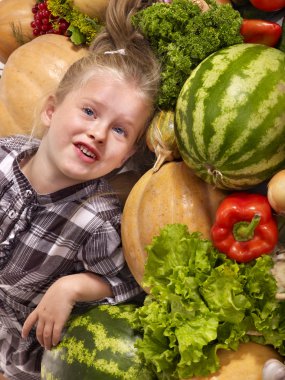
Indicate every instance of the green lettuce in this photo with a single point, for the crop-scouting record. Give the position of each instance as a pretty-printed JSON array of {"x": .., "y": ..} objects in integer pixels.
[{"x": 201, "y": 301}]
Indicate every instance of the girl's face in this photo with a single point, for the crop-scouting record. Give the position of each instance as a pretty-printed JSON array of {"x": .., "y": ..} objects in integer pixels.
[{"x": 94, "y": 130}]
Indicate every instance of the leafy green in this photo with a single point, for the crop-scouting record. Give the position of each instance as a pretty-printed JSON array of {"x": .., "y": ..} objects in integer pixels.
[
  {"x": 201, "y": 301},
  {"x": 182, "y": 36},
  {"x": 82, "y": 29}
]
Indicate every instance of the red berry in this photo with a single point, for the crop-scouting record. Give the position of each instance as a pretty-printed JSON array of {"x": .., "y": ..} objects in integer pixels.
[
  {"x": 42, "y": 6},
  {"x": 46, "y": 13},
  {"x": 36, "y": 31},
  {"x": 38, "y": 23}
]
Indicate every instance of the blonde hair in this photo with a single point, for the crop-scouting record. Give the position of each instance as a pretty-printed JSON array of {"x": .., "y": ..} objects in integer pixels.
[{"x": 120, "y": 49}]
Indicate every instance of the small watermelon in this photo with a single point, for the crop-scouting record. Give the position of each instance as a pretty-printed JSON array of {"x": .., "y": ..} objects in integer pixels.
[
  {"x": 98, "y": 344},
  {"x": 230, "y": 116}
]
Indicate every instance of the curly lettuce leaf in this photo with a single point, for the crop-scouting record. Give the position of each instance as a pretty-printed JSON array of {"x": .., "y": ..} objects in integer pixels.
[
  {"x": 182, "y": 36},
  {"x": 201, "y": 301}
]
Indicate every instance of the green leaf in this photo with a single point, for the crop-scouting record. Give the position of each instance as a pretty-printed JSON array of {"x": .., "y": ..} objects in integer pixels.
[
  {"x": 76, "y": 36},
  {"x": 200, "y": 301}
]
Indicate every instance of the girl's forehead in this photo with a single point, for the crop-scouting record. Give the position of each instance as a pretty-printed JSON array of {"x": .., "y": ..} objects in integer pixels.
[
  {"x": 108, "y": 79},
  {"x": 106, "y": 74}
]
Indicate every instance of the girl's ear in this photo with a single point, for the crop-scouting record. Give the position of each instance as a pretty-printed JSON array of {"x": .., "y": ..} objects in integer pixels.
[{"x": 47, "y": 111}]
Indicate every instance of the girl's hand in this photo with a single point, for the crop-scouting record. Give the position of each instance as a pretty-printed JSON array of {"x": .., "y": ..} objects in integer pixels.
[
  {"x": 50, "y": 315},
  {"x": 52, "y": 312}
]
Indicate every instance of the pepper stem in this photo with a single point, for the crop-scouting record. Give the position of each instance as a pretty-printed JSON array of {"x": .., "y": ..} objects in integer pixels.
[{"x": 244, "y": 231}]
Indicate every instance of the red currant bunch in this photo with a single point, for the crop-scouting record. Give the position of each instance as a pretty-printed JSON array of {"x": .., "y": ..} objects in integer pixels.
[{"x": 44, "y": 22}]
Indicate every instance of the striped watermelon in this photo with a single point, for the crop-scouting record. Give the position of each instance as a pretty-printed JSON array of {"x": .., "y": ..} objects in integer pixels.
[
  {"x": 230, "y": 116},
  {"x": 98, "y": 344}
]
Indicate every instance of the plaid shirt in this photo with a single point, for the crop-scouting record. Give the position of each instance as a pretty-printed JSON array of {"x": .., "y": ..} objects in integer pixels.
[{"x": 44, "y": 237}]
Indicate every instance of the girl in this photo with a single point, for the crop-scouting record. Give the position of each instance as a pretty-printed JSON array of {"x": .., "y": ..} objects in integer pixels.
[{"x": 60, "y": 221}]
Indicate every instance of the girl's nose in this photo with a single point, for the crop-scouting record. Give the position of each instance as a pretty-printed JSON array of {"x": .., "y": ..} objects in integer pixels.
[{"x": 98, "y": 133}]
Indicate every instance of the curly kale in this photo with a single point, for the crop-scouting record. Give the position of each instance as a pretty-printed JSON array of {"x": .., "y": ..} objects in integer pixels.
[
  {"x": 82, "y": 28},
  {"x": 182, "y": 36}
]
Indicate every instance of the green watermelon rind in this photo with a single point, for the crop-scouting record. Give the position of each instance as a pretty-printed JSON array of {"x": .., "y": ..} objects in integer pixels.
[
  {"x": 97, "y": 344},
  {"x": 230, "y": 116}
]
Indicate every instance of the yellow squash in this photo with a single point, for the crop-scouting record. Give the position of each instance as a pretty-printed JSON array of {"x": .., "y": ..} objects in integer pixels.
[{"x": 173, "y": 194}]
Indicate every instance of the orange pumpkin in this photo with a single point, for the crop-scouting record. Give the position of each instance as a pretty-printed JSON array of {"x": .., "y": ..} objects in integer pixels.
[
  {"x": 32, "y": 72},
  {"x": 173, "y": 194},
  {"x": 15, "y": 28}
]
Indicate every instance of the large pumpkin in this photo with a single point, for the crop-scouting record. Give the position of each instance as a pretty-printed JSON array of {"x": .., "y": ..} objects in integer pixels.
[
  {"x": 15, "y": 28},
  {"x": 31, "y": 72},
  {"x": 173, "y": 194}
]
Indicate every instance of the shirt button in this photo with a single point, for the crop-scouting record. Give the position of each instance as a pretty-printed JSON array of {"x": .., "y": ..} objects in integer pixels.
[
  {"x": 28, "y": 193},
  {"x": 12, "y": 214}
]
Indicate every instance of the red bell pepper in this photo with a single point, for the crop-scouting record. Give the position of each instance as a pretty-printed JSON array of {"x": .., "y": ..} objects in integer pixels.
[
  {"x": 244, "y": 227},
  {"x": 260, "y": 32},
  {"x": 268, "y": 5}
]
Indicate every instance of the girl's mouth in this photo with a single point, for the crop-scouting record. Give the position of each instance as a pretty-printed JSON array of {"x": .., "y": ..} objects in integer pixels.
[{"x": 86, "y": 151}]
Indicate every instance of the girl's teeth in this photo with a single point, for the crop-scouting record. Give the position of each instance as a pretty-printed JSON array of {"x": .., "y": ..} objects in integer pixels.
[{"x": 87, "y": 152}]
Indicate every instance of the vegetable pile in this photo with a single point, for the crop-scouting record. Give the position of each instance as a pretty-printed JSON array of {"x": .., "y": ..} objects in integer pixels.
[
  {"x": 201, "y": 301},
  {"x": 228, "y": 127}
]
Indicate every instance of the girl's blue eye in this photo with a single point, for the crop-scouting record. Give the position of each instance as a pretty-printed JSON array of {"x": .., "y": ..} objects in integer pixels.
[
  {"x": 88, "y": 111},
  {"x": 120, "y": 131}
]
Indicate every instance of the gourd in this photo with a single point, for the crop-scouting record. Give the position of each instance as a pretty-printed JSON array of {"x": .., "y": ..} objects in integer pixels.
[
  {"x": 32, "y": 71},
  {"x": 92, "y": 8},
  {"x": 160, "y": 138},
  {"x": 173, "y": 194},
  {"x": 15, "y": 29}
]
